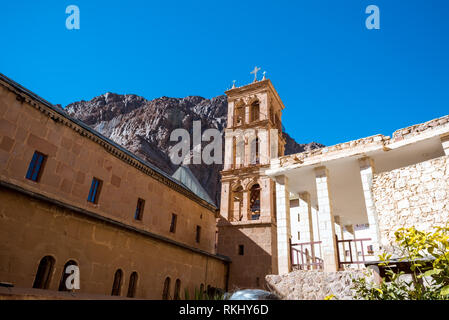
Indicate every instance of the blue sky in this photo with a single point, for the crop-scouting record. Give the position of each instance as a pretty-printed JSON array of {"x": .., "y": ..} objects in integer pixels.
[{"x": 338, "y": 80}]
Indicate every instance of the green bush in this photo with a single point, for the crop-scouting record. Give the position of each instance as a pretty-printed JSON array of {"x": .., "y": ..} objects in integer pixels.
[{"x": 428, "y": 255}]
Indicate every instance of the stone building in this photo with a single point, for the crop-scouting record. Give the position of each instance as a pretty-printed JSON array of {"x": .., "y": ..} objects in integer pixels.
[
  {"x": 247, "y": 229},
  {"x": 69, "y": 196},
  {"x": 373, "y": 185}
]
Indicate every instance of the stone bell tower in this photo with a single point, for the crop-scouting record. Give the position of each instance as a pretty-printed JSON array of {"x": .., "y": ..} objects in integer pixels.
[{"x": 247, "y": 224}]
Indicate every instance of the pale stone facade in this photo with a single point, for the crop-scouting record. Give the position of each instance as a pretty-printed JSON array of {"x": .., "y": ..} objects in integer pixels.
[
  {"x": 416, "y": 195},
  {"x": 379, "y": 181}
]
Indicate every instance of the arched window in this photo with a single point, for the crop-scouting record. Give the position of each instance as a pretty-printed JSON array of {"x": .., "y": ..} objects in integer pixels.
[
  {"x": 176, "y": 295},
  {"x": 44, "y": 272},
  {"x": 166, "y": 292},
  {"x": 117, "y": 285},
  {"x": 255, "y": 111},
  {"x": 132, "y": 285},
  {"x": 239, "y": 115},
  {"x": 62, "y": 283},
  {"x": 255, "y": 202}
]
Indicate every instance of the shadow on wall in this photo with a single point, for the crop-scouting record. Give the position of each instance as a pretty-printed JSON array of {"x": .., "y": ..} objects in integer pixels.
[{"x": 250, "y": 250}]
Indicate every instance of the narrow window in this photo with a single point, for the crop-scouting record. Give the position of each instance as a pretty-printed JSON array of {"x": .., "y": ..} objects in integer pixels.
[
  {"x": 198, "y": 234},
  {"x": 132, "y": 285},
  {"x": 36, "y": 166},
  {"x": 117, "y": 285},
  {"x": 139, "y": 209},
  {"x": 299, "y": 235},
  {"x": 174, "y": 217},
  {"x": 176, "y": 295},
  {"x": 62, "y": 283},
  {"x": 94, "y": 190},
  {"x": 299, "y": 218},
  {"x": 166, "y": 292},
  {"x": 241, "y": 249},
  {"x": 44, "y": 272}
]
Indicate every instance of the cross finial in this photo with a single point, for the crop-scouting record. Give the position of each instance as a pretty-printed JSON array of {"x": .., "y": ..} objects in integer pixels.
[{"x": 256, "y": 69}]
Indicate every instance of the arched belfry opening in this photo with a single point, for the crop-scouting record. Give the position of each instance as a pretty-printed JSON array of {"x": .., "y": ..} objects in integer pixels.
[
  {"x": 239, "y": 114},
  {"x": 254, "y": 202},
  {"x": 255, "y": 111}
]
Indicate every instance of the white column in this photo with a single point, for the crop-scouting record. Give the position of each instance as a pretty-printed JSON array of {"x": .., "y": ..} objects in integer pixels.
[
  {"x": 366, "y": 174},
  {"x": 283, "y": 224},
  {"x": 445, "y": 144},
  {"x": 327, "y": 226}
]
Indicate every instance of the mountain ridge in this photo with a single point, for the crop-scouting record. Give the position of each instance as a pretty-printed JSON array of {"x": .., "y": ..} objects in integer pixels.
[{"x": 144, "y": 126}]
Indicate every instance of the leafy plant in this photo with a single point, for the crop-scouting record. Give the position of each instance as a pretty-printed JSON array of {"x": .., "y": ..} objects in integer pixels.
[{"x": 428, "y": 256}]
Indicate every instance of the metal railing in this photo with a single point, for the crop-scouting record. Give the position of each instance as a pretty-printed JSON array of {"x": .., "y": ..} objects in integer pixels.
[
  {"x": 358, "y": 259},
  {"x": 303, "y": 256}
]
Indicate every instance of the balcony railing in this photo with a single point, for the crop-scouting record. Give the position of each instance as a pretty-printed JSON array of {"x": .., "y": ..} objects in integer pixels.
[
  {"x": 303, "y": 256},
  {"x": 359, "y": 258}
]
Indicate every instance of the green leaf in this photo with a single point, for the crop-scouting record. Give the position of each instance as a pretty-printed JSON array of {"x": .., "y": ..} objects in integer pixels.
[
  {"x": 431, "y": 272},
  {"x": 445, "y": 291}
]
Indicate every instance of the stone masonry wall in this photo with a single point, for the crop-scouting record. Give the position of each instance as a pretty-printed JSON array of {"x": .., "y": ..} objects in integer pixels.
[
  {"x": 417, "y": 195},
  {"x": 314, "y": 285}
]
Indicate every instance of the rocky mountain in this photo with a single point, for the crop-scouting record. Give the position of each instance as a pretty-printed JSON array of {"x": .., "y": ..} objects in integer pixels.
[{"x": 144, "y": 127}]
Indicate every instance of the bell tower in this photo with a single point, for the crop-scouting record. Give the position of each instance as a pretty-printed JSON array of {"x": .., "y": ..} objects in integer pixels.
[{"x": 247, "y": 225}]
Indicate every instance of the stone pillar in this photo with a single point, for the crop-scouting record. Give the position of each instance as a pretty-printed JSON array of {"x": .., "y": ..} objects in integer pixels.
[
  {"x": 305, "y": 225},
  {"x": 283, "y": 224},
  {"x": 226, "y": 207},
  {"x": 229, "y": 150},
  {"x": 366, "y": 174},
  {"x": 340, "y": 236},
  {"x": 327, "y": 226},
  {"x": 445, "y": 144},
  {"x": 245, "y": 206},
  {"x": 316, "y": 232}
]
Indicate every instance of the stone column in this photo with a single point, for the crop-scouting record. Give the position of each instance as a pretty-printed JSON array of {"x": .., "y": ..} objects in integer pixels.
[
  {"x": 445, "y": 144},
  {"x": 327, "y": 226},
  {"x": 316, "y": 232},
  {"x": 283, "y": 224},
  {"x": 340, "y": 236},
  {"x": 245, "y": 206},
  {"x": 226, "y": 207},
  {"x": 366, "y": 174},
  {"x": 305, "y": 224}
]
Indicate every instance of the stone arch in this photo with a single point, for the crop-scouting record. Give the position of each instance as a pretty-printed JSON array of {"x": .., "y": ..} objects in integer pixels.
[
  {"x": 166, "y": 290},
  {"x": 254, "y": 201},
  {"x": 132, "y": 286},
  {"x": 44, "y": 272},
  {"x": 239, "y": 112},
  {"x": 117, "y": 284},
  {"x": 64, "y": 276}
]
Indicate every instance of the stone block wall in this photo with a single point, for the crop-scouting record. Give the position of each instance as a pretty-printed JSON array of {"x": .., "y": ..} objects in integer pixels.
[
  {"x": 417, "y": 195},
  {"x": 314, "y": 285}
]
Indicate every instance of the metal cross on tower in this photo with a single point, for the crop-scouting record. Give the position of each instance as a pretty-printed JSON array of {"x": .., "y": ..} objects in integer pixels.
[{"x": 256, "y": 69}]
